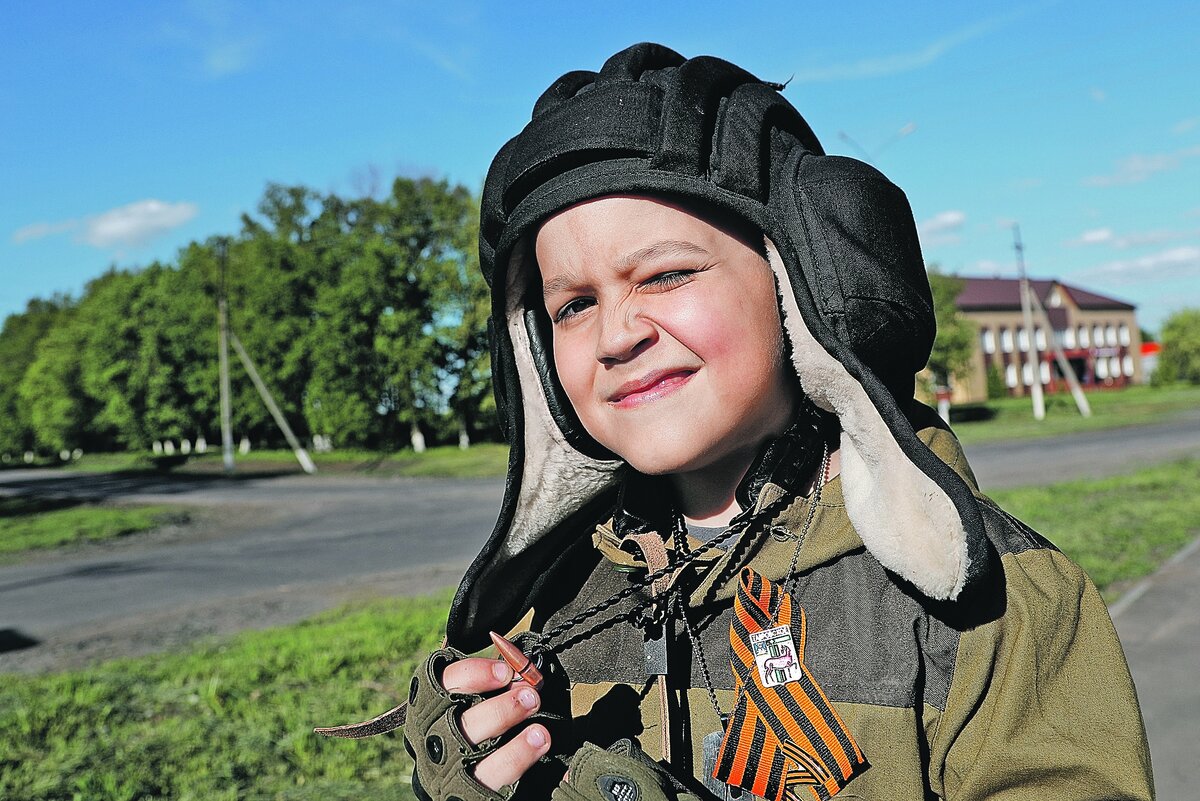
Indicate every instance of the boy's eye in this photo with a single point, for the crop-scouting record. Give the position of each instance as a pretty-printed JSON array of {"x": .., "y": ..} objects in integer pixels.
[
  {"x": 573, "y": 308},
  {"x": 670, "y": 279}
]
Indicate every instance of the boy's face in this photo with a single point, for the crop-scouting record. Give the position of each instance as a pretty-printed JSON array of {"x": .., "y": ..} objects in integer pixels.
[{"x": 667, "y": 336}]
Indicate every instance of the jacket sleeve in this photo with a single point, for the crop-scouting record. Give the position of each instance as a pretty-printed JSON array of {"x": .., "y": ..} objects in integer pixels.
[{"x": 1042, "y": 705}]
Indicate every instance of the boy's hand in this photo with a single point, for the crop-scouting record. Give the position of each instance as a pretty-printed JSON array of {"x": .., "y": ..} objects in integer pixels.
[{"x": 494, "y": 716}]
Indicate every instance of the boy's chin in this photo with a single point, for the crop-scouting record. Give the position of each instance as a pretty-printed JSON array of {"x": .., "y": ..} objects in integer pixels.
[{"x": 665, "y": 461}]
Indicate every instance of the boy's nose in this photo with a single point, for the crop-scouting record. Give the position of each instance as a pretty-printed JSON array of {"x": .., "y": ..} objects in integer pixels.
[{"x": 623, "y": 335}]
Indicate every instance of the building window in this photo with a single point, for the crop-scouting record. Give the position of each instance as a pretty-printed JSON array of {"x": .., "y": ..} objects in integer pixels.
[
  {"x": 1127, "y": 365},
  {"x": 1023, "y": 340},
  {"x": 1010, "y": 375},
  {"x": 1027, "y": 373},
  {"x": 1006, "y": 340},
  {"x": 987, "y": 340},
  {"x": 1110, "y": 334},
  {"x": 1039, "y": 336},
  {"x": 1044, "y": 371},
  {"x": 1098, "y": 335},
  {"x": 1068, "y": 339},
  {"x": 1123, "y": 334},
  {"x": 1083, "y": 336},
  {"x": 1101, "y": 368},
  {"x": 1055, "y": 299},
  {"x": 1114, "y": 366}
]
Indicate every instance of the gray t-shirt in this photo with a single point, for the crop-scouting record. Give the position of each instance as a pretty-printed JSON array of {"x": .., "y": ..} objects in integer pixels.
[{"x": 705, "y": 533}]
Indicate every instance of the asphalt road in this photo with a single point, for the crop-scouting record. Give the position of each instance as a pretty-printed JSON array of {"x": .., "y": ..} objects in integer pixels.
[
  {"x": 261, "y": 551},
  {"x": 273, "y": 549}
]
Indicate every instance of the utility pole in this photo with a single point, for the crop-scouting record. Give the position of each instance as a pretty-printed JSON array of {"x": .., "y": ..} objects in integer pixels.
[
  {"x": 870, "y": 156},
  {"x": 301, "y": 455},
  {"x": 1064, "y": 366},
  {"x": 223, "y": 362},
  {"x": 1031, "y": 357}
]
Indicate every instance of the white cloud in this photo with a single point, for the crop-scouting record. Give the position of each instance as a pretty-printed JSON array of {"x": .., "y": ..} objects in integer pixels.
[
  {"x": 40, "y": 230},
  {"x": 943, "y": 221},
  {"x": 136, "y": 223},
  {"x": 223, "y": 58},
  {"x": 1105, "y": 236},
  {"x": 900, "y": 62},
  {"x": 942, "y": 228},
  {"x": 1183, "y": 126},
  {"x": 1094, "y": 237},
  {"x": 988, "y": 267},
  {"x": 1138, "y": 167},
  {"x": 220, "y": 38},
  {"x": 1173, "y": 263},
  {"x": 1098, "y": 94},
  {"x": 131, "y": 225}
]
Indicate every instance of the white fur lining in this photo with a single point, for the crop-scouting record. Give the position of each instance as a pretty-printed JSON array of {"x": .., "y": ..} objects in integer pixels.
[
  {"x": 556, "y": 479},
  {"x": 903, "y": 517}
]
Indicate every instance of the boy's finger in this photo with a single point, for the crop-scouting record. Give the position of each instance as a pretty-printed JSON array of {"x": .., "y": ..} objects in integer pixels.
[
  {"x": 496, "y": 715},
  {"x": 508, "y": 763},
  {"x": 474, "y": 675}
]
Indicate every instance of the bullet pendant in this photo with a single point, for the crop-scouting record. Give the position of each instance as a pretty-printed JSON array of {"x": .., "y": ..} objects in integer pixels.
[{"x": 521, "y": 664}]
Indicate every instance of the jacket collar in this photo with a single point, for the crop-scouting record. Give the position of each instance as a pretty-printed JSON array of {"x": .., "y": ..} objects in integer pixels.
[{"x": 830, "y": 536}]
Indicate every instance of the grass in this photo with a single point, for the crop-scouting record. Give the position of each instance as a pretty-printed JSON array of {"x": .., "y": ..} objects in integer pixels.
[
  {"x": 483, "y": 460},
  {"x": 1118, "y": 529},
  {"x": 229, "y": 720},
  {"x": 29, "y": 524},
  {"x": 1110, "y": 409}
]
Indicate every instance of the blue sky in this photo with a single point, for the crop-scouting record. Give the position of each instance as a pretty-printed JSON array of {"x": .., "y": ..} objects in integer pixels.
[{"x": 128, "y": 129}]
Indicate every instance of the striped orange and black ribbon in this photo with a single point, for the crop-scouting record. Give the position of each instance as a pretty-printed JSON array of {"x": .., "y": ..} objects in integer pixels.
[{"x": 784, "y": 742}]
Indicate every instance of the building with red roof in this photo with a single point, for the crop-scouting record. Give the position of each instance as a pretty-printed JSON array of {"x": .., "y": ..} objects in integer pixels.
[{"x": 1098, "y": 335}]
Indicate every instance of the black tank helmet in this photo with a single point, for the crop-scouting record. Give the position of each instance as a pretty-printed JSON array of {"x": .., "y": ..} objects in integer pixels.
[{"x": 855, "y": 301}]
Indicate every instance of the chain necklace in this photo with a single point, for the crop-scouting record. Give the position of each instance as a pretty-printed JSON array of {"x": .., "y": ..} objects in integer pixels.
[
  {"x": 789, "y": 583},
  {"x": 549, "y": 640},
  {"x": 553, "y": 639}
]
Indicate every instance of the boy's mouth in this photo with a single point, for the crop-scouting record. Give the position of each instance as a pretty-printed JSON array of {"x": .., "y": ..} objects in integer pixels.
[{"x": 649, "y": 387}]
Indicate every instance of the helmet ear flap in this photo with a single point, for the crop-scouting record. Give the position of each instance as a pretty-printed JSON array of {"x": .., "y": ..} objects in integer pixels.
[
  {"x": 500, "y": 383},
  {"x": 541, "y": 350}
]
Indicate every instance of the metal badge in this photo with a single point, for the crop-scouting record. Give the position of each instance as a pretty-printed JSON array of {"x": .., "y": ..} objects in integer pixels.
[{"x": 775, "y": 655}]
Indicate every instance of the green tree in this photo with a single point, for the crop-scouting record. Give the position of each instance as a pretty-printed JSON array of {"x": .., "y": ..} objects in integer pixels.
[
  {"x": 954, "y": 344},
  {"x": 389, "y": 338},
  {"x": 61, "y": 414},
  {"x": 1180, "y": 358},
  {"x": 18, "y": 344},
  {"x": 365, "y": 317}
]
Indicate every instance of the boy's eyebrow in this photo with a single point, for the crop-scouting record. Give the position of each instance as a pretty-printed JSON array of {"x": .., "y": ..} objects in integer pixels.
[
  {"x": 665, "y": 248},
  {"x": 559, "y": 283},
  {"x": 659, "y": 250}
]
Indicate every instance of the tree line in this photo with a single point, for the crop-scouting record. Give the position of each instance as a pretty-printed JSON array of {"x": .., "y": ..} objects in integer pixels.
[{"x": 366, "y": 317}]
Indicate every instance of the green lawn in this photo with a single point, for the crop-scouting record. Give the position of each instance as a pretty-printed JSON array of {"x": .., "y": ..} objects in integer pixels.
[
  {"x": 232, "y": 719},
  {"x": 1118, "y": 529},
  {"x": 1110, "y": 409},
  {"x": 485, "y": 459},
  {"x": 229, "y": 720},
  {"x": 29, "y": 524}
]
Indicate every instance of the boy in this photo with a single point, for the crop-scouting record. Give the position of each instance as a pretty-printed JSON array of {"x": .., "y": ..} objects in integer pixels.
[{"x": 745, "y": 558}]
